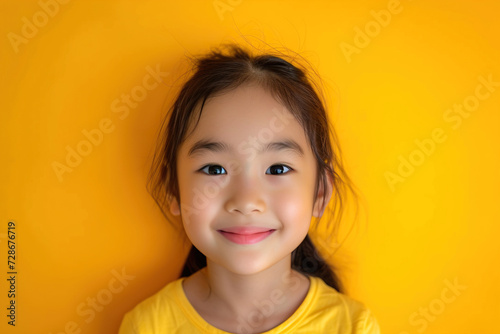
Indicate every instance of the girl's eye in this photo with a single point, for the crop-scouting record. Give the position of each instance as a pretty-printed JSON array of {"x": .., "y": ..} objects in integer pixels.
[
  {"x": 213, "y": 170},
  {"x": 278, "y": 169}
]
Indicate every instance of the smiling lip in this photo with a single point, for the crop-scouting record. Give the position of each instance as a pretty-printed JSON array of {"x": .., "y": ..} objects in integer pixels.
[{"x": 246, "y": 235}]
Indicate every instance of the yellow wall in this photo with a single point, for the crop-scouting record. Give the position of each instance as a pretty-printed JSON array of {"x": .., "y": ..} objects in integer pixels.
[{"x": 65, "y": 68}]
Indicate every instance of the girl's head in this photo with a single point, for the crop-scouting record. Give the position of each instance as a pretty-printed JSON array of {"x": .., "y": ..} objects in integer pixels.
[{"x": 248, "y": 143}]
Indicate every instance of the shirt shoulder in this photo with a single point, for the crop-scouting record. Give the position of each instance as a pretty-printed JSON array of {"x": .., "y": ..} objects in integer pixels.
[
  {"x": 157, "y": 313},
  {"x": 361, "y": 317},
  {"x": 334, "y": 312}
]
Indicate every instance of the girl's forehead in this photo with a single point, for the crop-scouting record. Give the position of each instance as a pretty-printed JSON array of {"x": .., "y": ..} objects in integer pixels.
[
  {"x": 248, "y": 110},
  {"x": 246, "y": 114}
]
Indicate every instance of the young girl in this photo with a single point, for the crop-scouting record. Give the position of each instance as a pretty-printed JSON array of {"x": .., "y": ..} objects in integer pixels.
[{"x": 246, "y": 162}]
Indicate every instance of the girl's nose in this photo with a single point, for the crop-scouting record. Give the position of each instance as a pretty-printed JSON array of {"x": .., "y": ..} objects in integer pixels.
[{"x": 246, "y": 198}]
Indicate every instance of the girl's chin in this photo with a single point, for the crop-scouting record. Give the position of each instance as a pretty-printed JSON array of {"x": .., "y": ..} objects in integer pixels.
[{"x": 247, "y": 265}]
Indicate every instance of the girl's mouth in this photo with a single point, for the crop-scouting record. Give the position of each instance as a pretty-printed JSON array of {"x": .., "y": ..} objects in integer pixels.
[{"x": 246, "y": 235}]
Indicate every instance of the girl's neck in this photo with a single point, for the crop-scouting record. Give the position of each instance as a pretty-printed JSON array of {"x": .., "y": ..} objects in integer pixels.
[{"x": 260, "y": 301}]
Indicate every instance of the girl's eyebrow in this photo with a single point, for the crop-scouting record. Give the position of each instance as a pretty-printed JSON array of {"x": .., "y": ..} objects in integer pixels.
[
  {"x": 216, "y": 146},
  {"x": 204, "y": 144}
]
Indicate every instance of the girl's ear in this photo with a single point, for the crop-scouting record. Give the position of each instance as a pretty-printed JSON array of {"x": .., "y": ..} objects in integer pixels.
[
  {"x": 323, "y": 198},
  {"x": 174, "y": 207}
]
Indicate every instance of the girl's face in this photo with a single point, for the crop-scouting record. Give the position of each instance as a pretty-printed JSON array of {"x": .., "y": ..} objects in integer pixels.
[{"x": 246, "y": 168}]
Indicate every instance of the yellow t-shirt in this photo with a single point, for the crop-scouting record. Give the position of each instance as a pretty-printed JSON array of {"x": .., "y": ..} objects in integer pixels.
[{"x": 324, "y": 310}]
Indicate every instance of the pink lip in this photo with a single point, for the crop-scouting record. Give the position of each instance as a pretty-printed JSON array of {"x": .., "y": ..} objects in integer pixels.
[{"x": 246, "y": 235}]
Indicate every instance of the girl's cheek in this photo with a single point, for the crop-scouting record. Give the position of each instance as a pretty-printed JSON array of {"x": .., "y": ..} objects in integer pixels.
[
  {"x": 288, "y": 203},
  {"x": 205, "y": 195},
  {"x": 295, "y": 200}
]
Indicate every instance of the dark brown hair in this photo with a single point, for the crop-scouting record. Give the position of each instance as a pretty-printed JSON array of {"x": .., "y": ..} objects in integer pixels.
[{"x": 225, "y": 69}]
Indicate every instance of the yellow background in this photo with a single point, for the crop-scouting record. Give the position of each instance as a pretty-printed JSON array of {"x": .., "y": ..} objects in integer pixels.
[{"x": 440, "y": 225}]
